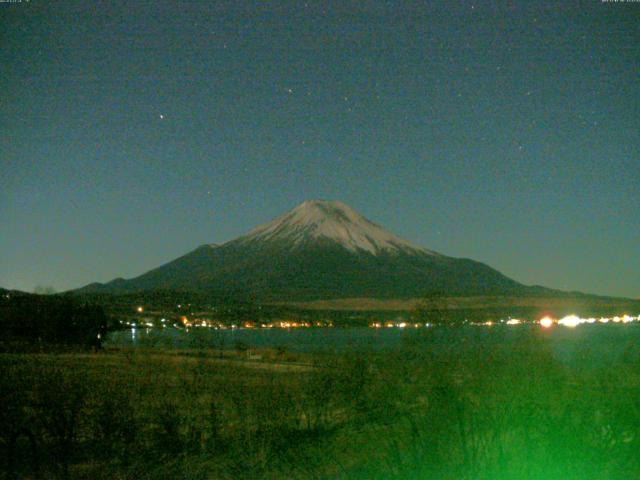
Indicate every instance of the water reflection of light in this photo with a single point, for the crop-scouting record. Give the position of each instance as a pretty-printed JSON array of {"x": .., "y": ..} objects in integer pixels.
[
  {"x": 133, "y": 334},
  {"x": 546, "y": 322}
]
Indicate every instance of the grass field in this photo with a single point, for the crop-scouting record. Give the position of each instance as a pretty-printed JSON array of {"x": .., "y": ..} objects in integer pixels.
[
  {"x": 559, "y": 303},
  {"x": 465, "y": 410}
]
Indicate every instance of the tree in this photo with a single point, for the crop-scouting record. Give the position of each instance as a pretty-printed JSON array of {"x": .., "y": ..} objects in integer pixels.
[{"x": 51, "y": 319}]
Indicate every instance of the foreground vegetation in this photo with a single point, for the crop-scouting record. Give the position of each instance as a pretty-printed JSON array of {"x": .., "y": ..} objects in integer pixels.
[{"x": 507, "y": 408}]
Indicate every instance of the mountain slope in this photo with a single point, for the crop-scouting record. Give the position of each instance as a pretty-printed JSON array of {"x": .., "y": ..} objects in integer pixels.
[{"x": 319, "y": 250}]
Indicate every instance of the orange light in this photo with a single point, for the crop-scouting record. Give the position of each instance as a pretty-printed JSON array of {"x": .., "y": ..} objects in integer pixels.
[{"x": 546, "y": 322}]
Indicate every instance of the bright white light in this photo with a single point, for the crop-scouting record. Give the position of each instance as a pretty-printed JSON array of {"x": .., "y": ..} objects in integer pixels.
[
  {"x": 604, "y": 320},
  {"x": 627, "y": 319},
  {"x": 570, "y": 321},
  {"x": 402, "y": 325},
  {"x": 513, "y": 321},
  {"x": 546, "y": 322}
]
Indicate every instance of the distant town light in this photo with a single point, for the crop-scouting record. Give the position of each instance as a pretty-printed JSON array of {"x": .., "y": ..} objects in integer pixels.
[
  {"x": 513, "y": 321},
  {"x": 546, "y": 322},
  {"x": 140, "y": 309},
  {"x": 570, "y": 321}
]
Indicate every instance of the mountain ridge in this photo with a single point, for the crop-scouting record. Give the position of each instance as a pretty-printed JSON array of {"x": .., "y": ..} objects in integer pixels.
[{"x": 319, "y": 250}]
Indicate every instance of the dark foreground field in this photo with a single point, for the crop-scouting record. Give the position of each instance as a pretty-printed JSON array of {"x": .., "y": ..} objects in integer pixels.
[{"x": 505, "y": 409}]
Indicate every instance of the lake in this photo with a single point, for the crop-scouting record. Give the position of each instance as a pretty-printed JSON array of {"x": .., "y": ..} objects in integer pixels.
[{"x": 596, "y": 343}]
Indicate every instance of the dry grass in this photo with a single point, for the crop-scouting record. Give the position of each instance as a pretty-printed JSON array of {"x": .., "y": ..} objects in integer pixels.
[
  {"x": 542, "y": 303},
  {"x": 501, "y": 408}
]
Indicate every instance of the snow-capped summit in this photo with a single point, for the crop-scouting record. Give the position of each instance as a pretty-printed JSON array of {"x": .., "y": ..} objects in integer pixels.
[{"x": 330, "y": 220}]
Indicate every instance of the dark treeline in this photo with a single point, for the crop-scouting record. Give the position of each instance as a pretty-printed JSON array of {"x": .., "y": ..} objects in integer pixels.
[{"x": 49, "y": 320}]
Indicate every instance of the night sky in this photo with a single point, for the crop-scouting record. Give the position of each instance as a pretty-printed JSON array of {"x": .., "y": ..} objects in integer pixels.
[{"x": 132, "y": 132}]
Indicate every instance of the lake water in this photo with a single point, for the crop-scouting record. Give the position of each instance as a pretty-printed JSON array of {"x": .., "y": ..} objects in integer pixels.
[{"x": 585, "y": 343}]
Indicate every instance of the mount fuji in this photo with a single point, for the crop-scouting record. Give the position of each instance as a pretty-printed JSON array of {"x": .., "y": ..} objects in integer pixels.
[{"x": 319, "y": 250}]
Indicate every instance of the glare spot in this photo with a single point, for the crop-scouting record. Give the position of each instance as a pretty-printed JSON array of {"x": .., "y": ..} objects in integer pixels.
[
  {"x": 570, "y": 321},
  {"x": 546, "y": 322}
]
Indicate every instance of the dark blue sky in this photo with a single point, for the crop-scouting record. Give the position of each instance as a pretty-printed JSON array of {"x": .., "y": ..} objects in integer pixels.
[{"x": 132, "y": 132}]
